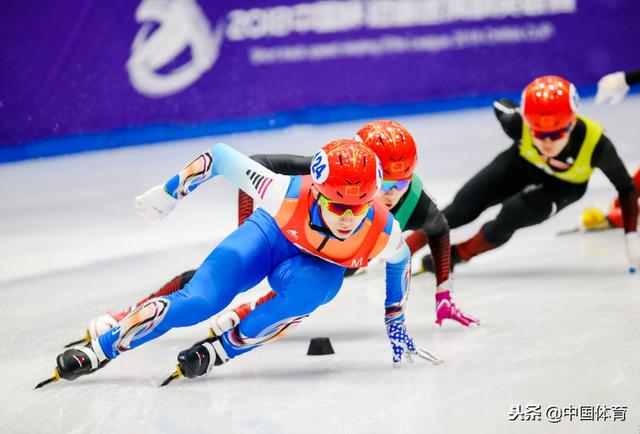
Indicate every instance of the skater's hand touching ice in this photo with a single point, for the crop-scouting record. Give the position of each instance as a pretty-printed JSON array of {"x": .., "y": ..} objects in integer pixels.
[
  {"x": 155, "y": 203},
  {"x": 447, "y": 309},
  {"x": 402, "y": 345}
]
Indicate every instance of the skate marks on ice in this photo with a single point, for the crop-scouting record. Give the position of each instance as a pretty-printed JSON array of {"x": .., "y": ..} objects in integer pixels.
[{"x": 559, "y": 325}]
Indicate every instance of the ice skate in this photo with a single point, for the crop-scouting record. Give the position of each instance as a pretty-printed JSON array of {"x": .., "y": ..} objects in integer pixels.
[
  {"x": 77, "y": 361},
  {"x": 199, "y": 359}
]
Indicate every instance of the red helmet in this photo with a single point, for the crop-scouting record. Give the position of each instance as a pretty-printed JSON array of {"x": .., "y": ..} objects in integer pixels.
[
  {"x": 393, "y": 145},
  {"x": 549, "y": 103},
  {"x": 347, "y": 172}
]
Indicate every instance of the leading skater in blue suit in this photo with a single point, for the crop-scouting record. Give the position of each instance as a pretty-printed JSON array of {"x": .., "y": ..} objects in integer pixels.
[{"x": 306, "y": 232}]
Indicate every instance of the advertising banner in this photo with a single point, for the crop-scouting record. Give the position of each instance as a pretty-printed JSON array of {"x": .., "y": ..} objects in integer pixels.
[{"x": 134, "y": 71}]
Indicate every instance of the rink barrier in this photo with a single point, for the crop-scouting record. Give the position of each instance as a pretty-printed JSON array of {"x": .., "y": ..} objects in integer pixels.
[{"x": 313, "y": 115}]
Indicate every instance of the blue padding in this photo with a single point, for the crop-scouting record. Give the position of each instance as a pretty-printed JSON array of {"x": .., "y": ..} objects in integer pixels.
[
  {"x": 311, "y": 115},
  {"x": 294, "y": 187}
]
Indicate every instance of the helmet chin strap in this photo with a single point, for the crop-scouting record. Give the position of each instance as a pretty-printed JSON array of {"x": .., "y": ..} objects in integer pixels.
[{"x": 324, "y": 229}]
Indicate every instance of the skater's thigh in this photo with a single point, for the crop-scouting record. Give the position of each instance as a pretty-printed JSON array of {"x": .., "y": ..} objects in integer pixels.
[
  {"x": 238, "y": 263},
  {"x": 496, "y": 182},
  {"x": 563, "y": 193},
  {"x": 536, "y": 203},
  {"x": 301, "y": 284},
  {"x": 306, "y": 280}
]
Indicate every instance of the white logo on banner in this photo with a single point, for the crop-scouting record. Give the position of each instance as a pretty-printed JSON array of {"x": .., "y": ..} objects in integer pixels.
[{"x": 171, "y": 27}]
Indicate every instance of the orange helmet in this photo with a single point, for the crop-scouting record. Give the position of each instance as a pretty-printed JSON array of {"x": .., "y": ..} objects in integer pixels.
[
  {"x": 549, "y": 104},
  {"x": 393, "y": 145},
  {"x": 347, "y": 172}
]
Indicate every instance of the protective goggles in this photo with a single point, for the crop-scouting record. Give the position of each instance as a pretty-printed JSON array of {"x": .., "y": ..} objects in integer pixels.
[
  {"x": 341, "y": 209},
  {"x": 553, "y": 135},
  {"x": 399, "y": 185}
]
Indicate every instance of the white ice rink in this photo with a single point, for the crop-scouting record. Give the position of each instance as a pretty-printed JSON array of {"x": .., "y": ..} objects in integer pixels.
[{"x": 560, "y": 315}]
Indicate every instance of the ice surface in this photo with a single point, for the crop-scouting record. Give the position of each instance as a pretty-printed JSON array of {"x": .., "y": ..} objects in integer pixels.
[{"x": 560, "y": 315}]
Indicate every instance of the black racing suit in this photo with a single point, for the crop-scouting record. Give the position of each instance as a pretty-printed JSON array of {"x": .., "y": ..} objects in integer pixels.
[
  {"x": 632, "y": 77},
  {"x": 528, "y": 194}
]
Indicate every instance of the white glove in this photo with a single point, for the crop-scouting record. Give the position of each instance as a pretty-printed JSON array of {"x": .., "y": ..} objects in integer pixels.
[
  {"x": 612, "y": 87},
  {"x": 632, "y": 243},
  {"x": 155, "y": 203}
]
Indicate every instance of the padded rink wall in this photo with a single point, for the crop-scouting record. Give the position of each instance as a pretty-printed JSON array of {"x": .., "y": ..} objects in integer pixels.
[{"x": 78, "y": 76}]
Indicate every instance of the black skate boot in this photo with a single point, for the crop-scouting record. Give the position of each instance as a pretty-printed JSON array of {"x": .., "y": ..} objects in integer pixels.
[
  {"x": 77, "y": 361},
  {"x": 199, "y": 359},
  {"x": 80, "y": 360}
]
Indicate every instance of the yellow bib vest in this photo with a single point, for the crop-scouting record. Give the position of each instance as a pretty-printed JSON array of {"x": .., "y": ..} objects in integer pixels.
[{"x": 581, "y": 169}]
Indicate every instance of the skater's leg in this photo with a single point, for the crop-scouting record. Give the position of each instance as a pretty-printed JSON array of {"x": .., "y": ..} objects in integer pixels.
[
  {"x": 237, "y": 264},
  {"x": 529, "y": 207},
  {"x": 301, "y": 284},
  {"x": 494, "y": 183},
  {"x": 110, "y": 319},
  {"x": 171, "y": 286}
]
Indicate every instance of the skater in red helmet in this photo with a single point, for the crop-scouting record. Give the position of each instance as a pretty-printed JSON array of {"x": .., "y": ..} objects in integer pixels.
[
  {"x": 546, "y": 169},
  {"x": 402, "y": 193},
  {"x": 305, "y": 233}
]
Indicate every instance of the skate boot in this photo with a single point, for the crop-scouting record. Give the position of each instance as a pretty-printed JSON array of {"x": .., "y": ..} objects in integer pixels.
[
  {"x": 81, "y": 360},
  {"x": 77, "y": 361},
  {"x": 199, "y": 359},
  {"x": 100, "y": 325}
]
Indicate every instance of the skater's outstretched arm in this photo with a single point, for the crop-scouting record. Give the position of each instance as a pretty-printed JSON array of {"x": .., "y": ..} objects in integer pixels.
[
  {"x": 431, "y": 227},
  {"x": 398, "y": 269},
  {"x": 606, "y": 159},
  {"x": 615, "y": 86},
  {"x": 508, "y": 114},
  {"x": 398, "y": 259},
  {"x": 263, "y": 185}
]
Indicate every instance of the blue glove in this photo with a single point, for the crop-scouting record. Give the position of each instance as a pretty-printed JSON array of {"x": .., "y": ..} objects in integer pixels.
[{"x": 402, "y": 344}]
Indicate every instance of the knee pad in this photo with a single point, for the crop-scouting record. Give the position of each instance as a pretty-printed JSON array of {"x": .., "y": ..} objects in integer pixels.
[
  {"x": 140, "y": 322},
  {"x": 239, "y": 343}
]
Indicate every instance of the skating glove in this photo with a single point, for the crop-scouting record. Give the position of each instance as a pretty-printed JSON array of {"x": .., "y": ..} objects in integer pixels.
[
  {"x": 632, "y": 243},
  {"x": 447, "y": 309},
  {"x": 155, "y": 203},
  {"x": 402, "y": 345},
  {"x": 612, "y": 87}
]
